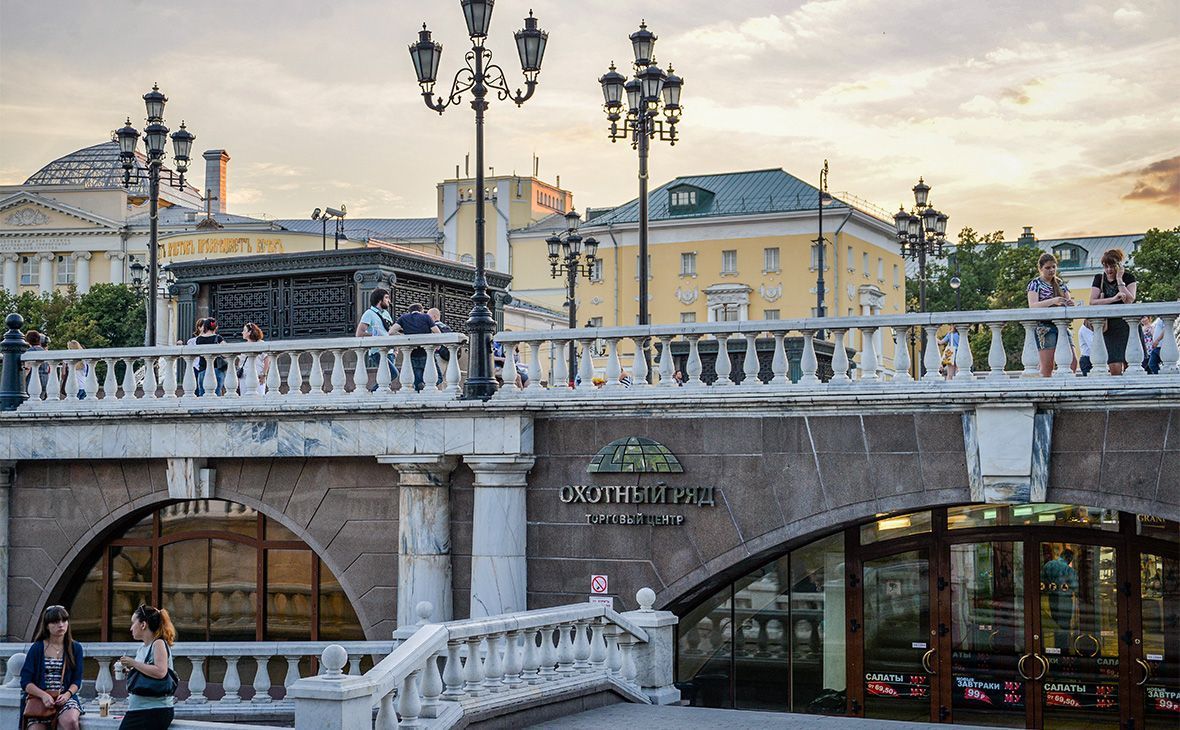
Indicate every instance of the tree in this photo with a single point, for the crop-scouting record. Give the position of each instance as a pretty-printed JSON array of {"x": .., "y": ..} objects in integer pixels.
[
  {"x": 109, "y": 315},
  {"x": 1157, "y": 266}
]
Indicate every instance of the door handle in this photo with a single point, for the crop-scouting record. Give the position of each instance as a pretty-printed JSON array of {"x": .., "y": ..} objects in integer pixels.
[
  {"x": 1086, "y": 637},
  {"x": 1146, "y": 672},
  {"x": 926, "y": 661},
  {"x": 1020, "y": 667},
  {"x": 1044, "y": 667}
]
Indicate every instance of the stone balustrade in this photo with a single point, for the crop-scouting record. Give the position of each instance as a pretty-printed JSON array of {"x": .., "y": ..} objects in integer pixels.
[
  {"x": 297, "y": 372},
  {"x": 471, "y": 669}
]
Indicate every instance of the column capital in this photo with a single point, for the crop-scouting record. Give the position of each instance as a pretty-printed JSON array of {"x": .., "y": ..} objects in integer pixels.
[
  {"x": 14, "y": 257},
  {"x": 81, "y": 255},
  {"x": 45, "y": 255},
  {"x": 115, "y": 255},
  {"x": 499, "y": 470},
  {"x": 422, "y": 470}
]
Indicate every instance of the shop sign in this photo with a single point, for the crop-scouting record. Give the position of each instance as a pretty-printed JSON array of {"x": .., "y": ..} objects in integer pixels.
[
  {"x": 231, "y": 245},
  {"x": 989, "y": 693},
  {"x": 1082, "y": 696},
  {"x": 907, "y": 686}
]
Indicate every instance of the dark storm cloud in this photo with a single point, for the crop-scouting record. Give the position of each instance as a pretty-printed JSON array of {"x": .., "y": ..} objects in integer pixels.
[{"x": 1159, "y": 182}]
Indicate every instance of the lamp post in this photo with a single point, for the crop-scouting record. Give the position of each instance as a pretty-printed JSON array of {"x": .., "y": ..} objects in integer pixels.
[
  {"x": 565, "y": 252},
  {"x": 922, "y": 234},
  {"x": 824, "y": 200},
  {"x": 323, "y": 216},
  {"x": 648, "y": 93},
  {"x": 479, "y": 76},
  {"x": 155, "y": 140}
]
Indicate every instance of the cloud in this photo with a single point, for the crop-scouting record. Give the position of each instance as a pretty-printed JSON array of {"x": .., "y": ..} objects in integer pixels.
[{"x": 1158, "y": 183}]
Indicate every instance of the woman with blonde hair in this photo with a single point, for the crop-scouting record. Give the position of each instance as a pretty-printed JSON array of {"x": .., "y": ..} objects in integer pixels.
[
  {"x": 149, "y": 707},
  {"x": 1047, "y": 290},
  {"x": 253, "y": 333},
  {"x": 1115, "y": 285}
]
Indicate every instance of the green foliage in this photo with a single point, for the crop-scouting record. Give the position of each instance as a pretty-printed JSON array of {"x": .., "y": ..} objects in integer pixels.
[
  {"x": 109, "y": 315},
  {"x": 1157, "y": 266}
]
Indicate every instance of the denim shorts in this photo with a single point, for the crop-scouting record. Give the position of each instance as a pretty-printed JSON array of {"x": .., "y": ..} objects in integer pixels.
[{"x": 1046, "y": 335}]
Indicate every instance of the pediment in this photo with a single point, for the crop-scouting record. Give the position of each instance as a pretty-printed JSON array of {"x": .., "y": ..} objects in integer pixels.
[{"x": 26, "y": 212}]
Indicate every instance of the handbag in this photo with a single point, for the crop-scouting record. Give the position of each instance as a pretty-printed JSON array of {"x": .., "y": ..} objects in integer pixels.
[
  {"x": 145, "y": 686},
  {"x": 35, "y": 707}
]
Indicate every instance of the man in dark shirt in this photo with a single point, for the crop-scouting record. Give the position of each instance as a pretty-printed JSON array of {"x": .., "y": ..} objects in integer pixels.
[
  {"x": 443, "y": 352},
  {"x": 416, "y": 322}
]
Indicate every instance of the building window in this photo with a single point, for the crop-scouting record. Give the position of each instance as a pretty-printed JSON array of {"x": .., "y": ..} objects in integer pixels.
[
  {"x": 467, "y": 259},
  {"x": 596, "y": 270},
  {"x": 729, "y": 313},
  {"x": 770, "y": 260},
  {"x": 684, "y": 199},
  {"x": 896, "y": 277},
  {"x": 729, "y": 262},
  {"x": 489, "y": 261},
  {"x": 864, "y": 264},
  {"x": 880, "y": 269},
  {"x": 815, "y": 259},
  {"x": 688, "y": 317},
  {"x": 849, "y": 261},
  {"x": 649, "y": 275},
  {"x": 30, "y": 271},
  {"x": 173, "y": 555},
  {"x": 65, "y": 270},
  {"x": 771, "y": 314},
  {"x": 595, "y": 321},
  {"x": 688, "y": 264}
]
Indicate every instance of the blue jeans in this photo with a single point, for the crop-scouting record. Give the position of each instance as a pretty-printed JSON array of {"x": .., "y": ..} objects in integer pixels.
[
  {"x": 1153, "y": 361},
  {"x": 418, "y": 362},
  {"x": 218, "y": 374}
]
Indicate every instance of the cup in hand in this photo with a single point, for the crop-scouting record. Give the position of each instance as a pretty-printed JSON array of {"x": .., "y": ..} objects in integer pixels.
[{"x": 120, "y": 671}]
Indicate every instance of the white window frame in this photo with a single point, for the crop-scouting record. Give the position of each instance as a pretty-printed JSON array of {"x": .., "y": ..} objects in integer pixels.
[
  {"x": 688, "y": 263},
  {"x": 771, "y": 260},
  {"x": 596, "y": 271},
  {"x": 649, "y": 272},
  {"x": 732, "y": 256},
  {"x": 864, "y": 262},
  {"x": 30, "y": 271},
  {"x": 881, "y": 269},
  {"x": 596, "y": 321},
  {"x": 850, "y": 262},
  {"x": 772, "y": 314},
  {"x": 896, "y": 277},
  {"x": 66, "y": 273},
  {"x": 688, "y": 317},
  {"x": 683, "y": 198}
]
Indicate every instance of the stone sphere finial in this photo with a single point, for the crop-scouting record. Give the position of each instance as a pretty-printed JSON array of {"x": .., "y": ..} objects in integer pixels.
[
  {"x": 646, "y": 598},
  {"x": 424, "y": 609},
  {"x": 14, "y": 321},
  {"x": 16, "y": 662},
  {"x": 334, "y": 658}
]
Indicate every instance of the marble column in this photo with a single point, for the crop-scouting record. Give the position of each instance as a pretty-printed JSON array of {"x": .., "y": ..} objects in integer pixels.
[
  {"x": 45, "y": 272},
  {"x": 117, "y": 269},
  {"x": 82, "y": 271},
  {"x": 12, "y": 273},
  {"x": 499, "y": 570},
  {"x": 7, "y": 476},
  {"x": 423, "y": 535}
]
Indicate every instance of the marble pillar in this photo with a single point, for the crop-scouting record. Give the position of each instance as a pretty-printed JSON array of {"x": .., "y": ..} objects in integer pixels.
[
  {"x": 7, "y": 476},
  {"x": 499, "y": 570},
  {"x": 12, "y": 273},
  {"x": 45, "y": 271},
  {"x": 82, "y": 271},
  {"x": 117, "y": 259},
  {"x": 423, "y": 535}
]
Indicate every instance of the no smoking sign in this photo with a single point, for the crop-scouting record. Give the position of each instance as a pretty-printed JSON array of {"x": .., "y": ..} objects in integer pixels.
[{"x": 598, "y": 585}]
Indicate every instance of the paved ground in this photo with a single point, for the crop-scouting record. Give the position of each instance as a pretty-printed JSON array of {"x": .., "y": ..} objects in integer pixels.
[{"x": 626, "y": 715}]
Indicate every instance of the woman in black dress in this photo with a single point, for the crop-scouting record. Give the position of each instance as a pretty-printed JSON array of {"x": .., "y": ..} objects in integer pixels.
[{"x": 1115, "y": 285}]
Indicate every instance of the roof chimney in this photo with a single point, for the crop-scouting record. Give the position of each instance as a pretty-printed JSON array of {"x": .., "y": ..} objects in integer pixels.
[
  {"x": 1027, "y": 238},
  {"x": 215, "y": 164}
]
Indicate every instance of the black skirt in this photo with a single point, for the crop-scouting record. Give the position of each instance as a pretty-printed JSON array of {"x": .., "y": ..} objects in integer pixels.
[{"x": 157, "y": 718}]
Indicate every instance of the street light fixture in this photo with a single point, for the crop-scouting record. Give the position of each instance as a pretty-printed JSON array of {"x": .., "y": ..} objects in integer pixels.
[
  {"x": 323, "y": 216},
  {"x": 479, "y": 76},
  {"x": 825, "y": 199},
  {"x": 565, "y": 260},
  {"x": 922, "y": 234},
  {"x": 155, "y": 137},
  {"x": 650, "y": 92}
]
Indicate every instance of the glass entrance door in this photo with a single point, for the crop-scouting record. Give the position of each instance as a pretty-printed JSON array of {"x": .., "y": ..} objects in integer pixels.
[
  {"x": 1156, "y": 655},
  {"x": 898, "y": 643}
]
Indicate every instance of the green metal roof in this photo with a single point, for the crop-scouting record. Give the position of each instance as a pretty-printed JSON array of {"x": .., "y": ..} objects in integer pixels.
[{"x": 734, "y": 193}]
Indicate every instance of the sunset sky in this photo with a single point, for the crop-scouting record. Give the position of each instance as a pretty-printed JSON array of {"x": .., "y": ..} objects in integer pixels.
[{"x": 1062, "y": 115}]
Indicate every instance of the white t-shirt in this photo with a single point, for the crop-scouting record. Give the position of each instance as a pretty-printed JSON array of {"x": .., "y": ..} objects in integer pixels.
[
  {"x": 1157, "y": 332},
  {"x": 1085, "y": 339}
]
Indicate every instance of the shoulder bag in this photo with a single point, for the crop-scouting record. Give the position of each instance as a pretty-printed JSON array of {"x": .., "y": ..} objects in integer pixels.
[
  {"x": 145, "y": 686},
  {"x": 35, "y": 707}
]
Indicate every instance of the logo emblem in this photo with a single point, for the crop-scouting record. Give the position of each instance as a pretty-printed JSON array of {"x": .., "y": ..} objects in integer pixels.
[{"x": 634, "y": 455}]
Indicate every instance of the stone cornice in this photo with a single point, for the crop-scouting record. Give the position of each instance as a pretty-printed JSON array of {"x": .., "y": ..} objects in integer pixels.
[{"x": 24, "y": 198}]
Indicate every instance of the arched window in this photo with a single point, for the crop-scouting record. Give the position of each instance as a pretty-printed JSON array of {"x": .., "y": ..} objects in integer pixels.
[
  {"x": 467, "y": 259},
  {"x": 224, "y": 571},
  {"x": 489, "y": 261}
]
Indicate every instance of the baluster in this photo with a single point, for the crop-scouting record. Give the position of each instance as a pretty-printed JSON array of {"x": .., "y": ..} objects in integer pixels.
[
  {"x": 1169, "y": 354},
  {"x": 565, "y": 650},
  {"x": 232, "y": 684},
  {"x": 750, "y": 366},
  {"x": 901, "y": 354},
  {"x": 128, "y": 384},
  {"x": 1134, "y": 351},
  {"x": 964, "y": 360},
  {"x": 548, "y": 653},
  {"x": 91, "y": 378},
  {"x": 629, "y": 669},
  {"x": 432, "y": 686},
  {"x": 1063, "y": 354},
  {"x": 597, "y": 646},
  {"x": 723, "y": 367},
  {"x": 167, "y": 376},
  {"x": 71, "y": 384},
  {"x": 104, "y": 682},
  {"x": 473, "y": 669},
  {"x": 453, "y": 374},
  {"x": 35, "y": 389},
  {"x": 409, "y": 706},
  {"x": 53, "y": 383},
  {"x": 1099, "y": 357},
  {"x": 386, "y": 715},
  {"x": 930, "y": 357},
  {"x": 614, "y": 368},
  {"x": 360, "y": 374},
  {"x": 493, "y": 667},
  {"x": 868, "y": 355},
  {"x": 667, "y": 362},
  {"x": 261, "y": 681},
  {"x": 405, "y": 375},
  {"x": 639, "y": 364},
  {"x": 354, "y": 665},
  {"x": 581, "y": 646},
  {"x": 693, "y": 367},
  {"x": 560, "y": 377},
  {"x": 249, "y": 379},
  {"x": 430, "y": 372},
  {"x": 196, "y": 682},
  {"x": 534, "y": 383},
  {"x": 532, "y": 657},
  {"x": 292, "y": 672},
  {"x": 586, "y": 365},
  {"x": 614, "y": 655},
  {"x": 1028, "y": 355},
  {"x": 231, "y": 377},
  {"x": 453, "y": 672},
  {"x": 996, "y": 357},
  {"x": 208, "y": 379},
  {"x": 188, "y": 381},
  {"x": 839, "y": 359},
  {"x": 273, "y": 381},
  {"x": 338, "y": 376},
  {"x": 150, "y": 381},
  {"x": 315, "y": 373},
  {"x": 513, "y": 661},
  {"x": 808, "y": 362},
  {"x": 384, "y": 377},
  {"x": 109, "y": 385},
  {"x": 294, "y": 375}
]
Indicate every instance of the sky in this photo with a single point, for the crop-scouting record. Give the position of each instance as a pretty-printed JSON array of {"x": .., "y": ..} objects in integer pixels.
[{"x": 1063, "y": 115}]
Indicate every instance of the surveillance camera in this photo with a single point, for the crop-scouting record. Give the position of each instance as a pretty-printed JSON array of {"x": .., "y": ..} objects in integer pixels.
[
  {"x": 343, "y": 209},
  {"x": 315, "y": 214},
  {"x": 334, "y": 212}
]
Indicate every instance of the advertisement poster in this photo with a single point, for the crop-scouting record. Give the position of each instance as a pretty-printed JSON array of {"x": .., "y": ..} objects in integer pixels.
[
  {"x": 1082, "y": 696},
  {"x": 883, "y": 684},
  {"x": 978, "y": 693},
  {"x": 1163, "y": 699}
]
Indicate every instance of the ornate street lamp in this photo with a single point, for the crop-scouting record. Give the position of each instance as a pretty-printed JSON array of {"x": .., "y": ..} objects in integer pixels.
[
  {"x": 921, "y": 234},
  {"x": 565, "y": 260},
  {"x": 825, "y": 199},
  {"x": 649, "y": 93},
  {"x": 155, "y": 139},
  {"x": 479, "y": 76}
]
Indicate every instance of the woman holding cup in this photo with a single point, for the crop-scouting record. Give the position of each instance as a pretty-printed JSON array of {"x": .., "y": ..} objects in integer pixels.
[{"x": 154, "y": 628}]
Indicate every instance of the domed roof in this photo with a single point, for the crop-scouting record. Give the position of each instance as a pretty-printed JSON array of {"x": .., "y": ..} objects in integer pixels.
[{"x": 99, "y": 167}]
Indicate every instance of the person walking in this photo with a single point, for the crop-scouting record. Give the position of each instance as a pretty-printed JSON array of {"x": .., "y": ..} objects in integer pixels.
[
  {"x": 1115, "y": 285},
  {"x": 1060, "y": 581},
  {"x": 416, "y": 322},
  {"x": 81, "y": 370},
  {"x": 1047, "y": 290},
  {"x": 376, "y": 322},
  {"x": 153, "y": 660},
  {"x": 950, "y": 345},
  {"x": 52, "y": 676},
  {"x": 261, "y": 361}
]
